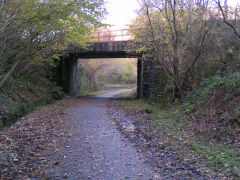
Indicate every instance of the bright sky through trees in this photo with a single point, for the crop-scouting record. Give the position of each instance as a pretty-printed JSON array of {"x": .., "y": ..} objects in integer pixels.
[{"x": 122, "y": 12}]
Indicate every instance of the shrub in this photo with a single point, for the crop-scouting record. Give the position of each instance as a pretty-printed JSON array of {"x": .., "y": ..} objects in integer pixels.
[
  {"x": 228, "y": 81},
  {"x": 211, "y": 86},
  {"x": 149, "y": 110}
]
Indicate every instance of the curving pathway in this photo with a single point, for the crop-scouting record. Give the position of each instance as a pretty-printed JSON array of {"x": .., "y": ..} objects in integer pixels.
[{"x": 96, "y": 149}]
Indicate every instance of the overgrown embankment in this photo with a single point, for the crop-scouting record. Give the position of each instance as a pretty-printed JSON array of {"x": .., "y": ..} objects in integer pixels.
[
  {"x": 203, "y": 130},
  {"x": 33, "y": 37},
  {"x": 215, "y": 108},
  {"x": 24, "y": 94}
]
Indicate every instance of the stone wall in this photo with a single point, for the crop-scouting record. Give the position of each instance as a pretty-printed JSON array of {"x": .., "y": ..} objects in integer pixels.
[
  {"x": 75, "y": 84},
  {"x": 151, "y": 78},
  {"x": 154, "y": 78},
  {"x": 139, "y": 78},
  {"x": 64, "y": 71}
]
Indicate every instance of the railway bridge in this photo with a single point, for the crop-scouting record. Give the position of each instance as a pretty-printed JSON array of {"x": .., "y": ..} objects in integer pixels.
[{"x": 112, "y": 44}]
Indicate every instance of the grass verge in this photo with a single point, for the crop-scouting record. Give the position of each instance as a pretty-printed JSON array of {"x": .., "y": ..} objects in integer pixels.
[
  {"x": 23, "y": 95},
  {"x": 95, "y": 93},
  {"x": 178, "y": 138},
  {"x": 131, "y": 94},
  {"x": 11, "y": 115}
]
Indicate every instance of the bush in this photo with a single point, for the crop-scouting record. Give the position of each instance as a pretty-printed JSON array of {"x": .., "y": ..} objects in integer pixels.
[
  {"x": 10, "y": 115},
  {"x": 229, "y": 81},
  {"x": 210, "y": 87},
  {"x": 24, "y": 94},
  {"x": 149, "y": 110}
]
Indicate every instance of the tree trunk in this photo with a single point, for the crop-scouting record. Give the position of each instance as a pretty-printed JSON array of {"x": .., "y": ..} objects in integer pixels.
[{"x": 177, "y": 81}]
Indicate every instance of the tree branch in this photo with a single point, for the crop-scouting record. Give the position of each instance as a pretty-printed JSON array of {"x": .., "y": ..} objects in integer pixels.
[
  {"x": 225, "y": 19},
  {"x": 196, "y": 58}
]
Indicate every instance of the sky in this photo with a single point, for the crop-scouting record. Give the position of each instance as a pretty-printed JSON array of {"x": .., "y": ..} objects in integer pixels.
[
  {"x": 122, "y": 12},
  {"x": 234, "y": 2}
]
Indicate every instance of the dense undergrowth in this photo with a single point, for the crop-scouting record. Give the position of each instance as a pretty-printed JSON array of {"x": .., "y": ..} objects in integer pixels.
[
  {"x": 205, "y": 128},
  {"x": 35, "y": 35},
  {"x": 24, "y": 94},
  {"x": 215, "y": 106},
  {"x": 213, "y": 117}
]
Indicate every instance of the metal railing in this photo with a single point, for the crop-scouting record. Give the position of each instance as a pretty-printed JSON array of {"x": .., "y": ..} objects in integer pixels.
[{"x": 110, "y": 36}]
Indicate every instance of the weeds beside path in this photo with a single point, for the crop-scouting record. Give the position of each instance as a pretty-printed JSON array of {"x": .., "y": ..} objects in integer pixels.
[
  {"x": 99, "y": 138},
  {"x": 170, "y": 131}
]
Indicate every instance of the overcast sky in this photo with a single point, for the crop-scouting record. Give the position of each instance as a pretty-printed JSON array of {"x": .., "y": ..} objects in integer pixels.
[
  {"x": 234, "y": 2},
  {"x": 122, "y": 12}
]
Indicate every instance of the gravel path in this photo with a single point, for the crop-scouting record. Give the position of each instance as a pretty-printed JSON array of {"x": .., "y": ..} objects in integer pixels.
[
  {"x": 87, "y": 138},
  {"x": 96, "y": 149}
]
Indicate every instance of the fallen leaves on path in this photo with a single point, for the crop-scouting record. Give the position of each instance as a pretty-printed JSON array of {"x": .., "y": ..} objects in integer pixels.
[
  {"x": 146, "y": 136},
  {"x": 22, "y": 144}
]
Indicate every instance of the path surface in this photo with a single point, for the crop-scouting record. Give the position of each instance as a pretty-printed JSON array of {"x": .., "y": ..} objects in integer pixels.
[
  {"x": 96, "y": 149},
  {"x": 90, "y": 138}
]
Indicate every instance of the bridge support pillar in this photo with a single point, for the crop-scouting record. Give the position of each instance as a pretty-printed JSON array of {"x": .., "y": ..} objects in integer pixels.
[
  {"x": 64, "y": 73},
  {"x": 69, "y": 73},
  {"x": 139, "y": 78},
  {"x": 75, "y": 83},
  {"x": 154, "y": 78}
]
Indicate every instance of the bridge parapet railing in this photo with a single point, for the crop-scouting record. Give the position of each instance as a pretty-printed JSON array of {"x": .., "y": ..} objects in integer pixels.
[{"x": 110, "y": 36}]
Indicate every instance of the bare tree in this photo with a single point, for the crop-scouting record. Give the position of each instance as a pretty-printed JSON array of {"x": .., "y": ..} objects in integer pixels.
[
  {"x": 176, "y": 26},
  {"x": 225, "y": 17}
]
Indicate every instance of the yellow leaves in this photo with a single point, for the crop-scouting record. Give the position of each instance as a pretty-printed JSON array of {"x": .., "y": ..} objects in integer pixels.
[
  {"x": 37, "y": 60},
  {"x": 56, "y": 56},
  {"x": 142, "y": 49},
  {"x": 230, "y": 50},
  {"x": 238, "y": 120}
]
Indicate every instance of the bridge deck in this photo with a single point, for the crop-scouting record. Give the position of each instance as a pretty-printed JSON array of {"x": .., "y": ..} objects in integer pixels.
[{"x": 112, "y": 49}]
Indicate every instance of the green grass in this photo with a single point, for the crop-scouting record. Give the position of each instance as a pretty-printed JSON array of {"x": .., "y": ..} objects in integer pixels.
[
  {"x": 176, "y": 138},
  {"x": 1, "y": 123},
  {"x": 11, "y": 115},
  {"x": 131, "y": 94},
  {"x": 95, "y": 93},
  {"x": 223, "y": 159},
  {"x": 134, "y": 103},
  {"x": 119, "y": 86},
  {"x": 170, "y": 120}
]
